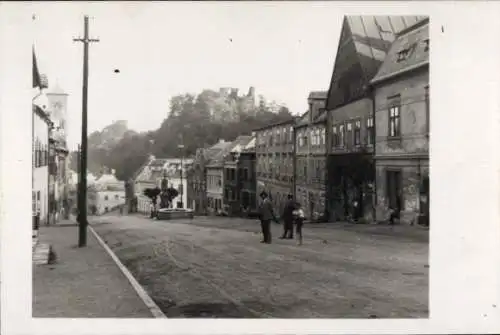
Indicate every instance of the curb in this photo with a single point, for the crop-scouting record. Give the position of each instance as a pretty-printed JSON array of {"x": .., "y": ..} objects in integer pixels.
[{"x": 153, "y": 307}]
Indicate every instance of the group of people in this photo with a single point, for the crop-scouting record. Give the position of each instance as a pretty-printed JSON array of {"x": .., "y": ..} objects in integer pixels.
[{"x": 292, "y": 215}]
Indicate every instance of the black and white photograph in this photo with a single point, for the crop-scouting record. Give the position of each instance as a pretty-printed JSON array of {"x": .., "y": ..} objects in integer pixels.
[
  {"x": 236, "y": 160},
  {"x": 232, "y": 204}
]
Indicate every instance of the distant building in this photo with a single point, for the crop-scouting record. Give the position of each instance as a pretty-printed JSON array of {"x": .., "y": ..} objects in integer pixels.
[
  {"x": 59, "y": 162},
  {"x": 274, "y": 150},
  {"x": 363, "y": 46},
  {"x": 248, "y": 181},
  {"x": 401, "y": 91},
  {"x": 174, "y": 170},
  {"x": 310, "y": 158},
  {"x": 236, "y": 175},
  {"x": 106, "y": 194},
  {"x": 197, "y": 177},
  {"x": 215, "y": 179}
]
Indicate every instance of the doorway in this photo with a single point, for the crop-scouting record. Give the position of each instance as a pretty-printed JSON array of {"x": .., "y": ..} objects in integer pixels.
[{"x": 394, "y": 189}]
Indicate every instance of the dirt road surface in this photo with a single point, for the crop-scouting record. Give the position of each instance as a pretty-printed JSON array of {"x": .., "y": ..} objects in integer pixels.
[{"x": 216, "y": 267}]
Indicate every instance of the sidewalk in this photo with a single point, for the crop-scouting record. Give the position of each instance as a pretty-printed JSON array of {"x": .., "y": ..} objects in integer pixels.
[{"x": 83, "y": 282}]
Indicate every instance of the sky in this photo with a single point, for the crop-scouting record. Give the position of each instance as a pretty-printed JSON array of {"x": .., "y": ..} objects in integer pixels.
[{"x": 284, "y": 50}]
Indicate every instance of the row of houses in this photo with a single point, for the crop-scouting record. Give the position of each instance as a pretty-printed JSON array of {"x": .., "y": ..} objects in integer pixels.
[
  {"x": 360, "y": 152},
  {"x": 361, "y": 149},
  {"x": 49, "y": 150}
]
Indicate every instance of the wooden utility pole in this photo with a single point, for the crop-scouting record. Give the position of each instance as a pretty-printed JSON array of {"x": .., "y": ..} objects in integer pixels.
[{"x": 82, "y": 187}]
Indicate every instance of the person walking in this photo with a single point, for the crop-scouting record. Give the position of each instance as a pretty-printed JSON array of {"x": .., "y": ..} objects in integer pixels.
[
  {"x": 288, "y": 218},
  {"x": 266, "y": 214},
  {"x": 299, "y": 217}
]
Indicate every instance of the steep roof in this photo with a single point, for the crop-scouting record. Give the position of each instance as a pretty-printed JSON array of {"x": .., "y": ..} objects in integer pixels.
[
  {"x": 363, "y": 45},
  {"x": 413, "y": 40},
  {"x": 250, "y": 147},
  {"x": 218, "y": 158},
  {"x": 240, "y": 143},
  {"x": 318, "y": 95}
]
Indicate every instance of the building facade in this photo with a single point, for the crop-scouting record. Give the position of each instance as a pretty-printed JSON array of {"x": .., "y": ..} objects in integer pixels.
[
  {"x": 248, "y": 179},
  {"x": 151, "y": 175},
  {"x": 197, "y": 177},
  {"x": 41, "y": 126},
  {"x": 59, "y": 161},
  {"x": 310, "y": 158},
  {"x": 234, "y": 177},
  {"x": 215, "y": 179},
  {"x": 363, "y": 46},
  {"x": 274, "y": 151},
  {"x": 108, "y": 194},
  {"x": 402, "y": 117}
]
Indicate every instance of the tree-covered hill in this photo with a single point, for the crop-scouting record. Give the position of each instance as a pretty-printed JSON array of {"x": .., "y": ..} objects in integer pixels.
[{"x": 195, "y": 121}]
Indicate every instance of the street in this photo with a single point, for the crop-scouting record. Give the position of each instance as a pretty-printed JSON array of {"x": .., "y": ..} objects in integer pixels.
[{"x": 216, "y": 267}]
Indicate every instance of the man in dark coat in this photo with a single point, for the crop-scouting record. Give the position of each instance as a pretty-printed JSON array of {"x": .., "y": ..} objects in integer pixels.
[
  {"x": 266, "y": 214},
  {"x": 288, "y": 218}
]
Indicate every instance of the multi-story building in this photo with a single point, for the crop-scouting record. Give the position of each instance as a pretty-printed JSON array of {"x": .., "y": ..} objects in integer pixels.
[
  {"x": 171, "y": 170},
  {"x": 274, "y": 150},
  {"x": 41, "y": 125},
  {"x": 310, "y": 158},
  {"x": 401, "y": 91},
  {"x": 215, "y": 180},
  {"x": 235, "y": 176},
  {"x": 363, "y": 45},
  {"x": 197, "y": 177},
  {"x": 58, "y": 160},
  {"x": 248, "y": 179}
]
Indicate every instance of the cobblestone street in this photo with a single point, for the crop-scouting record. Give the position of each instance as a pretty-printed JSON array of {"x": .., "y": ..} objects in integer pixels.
[{"x": 216, "y": 267}]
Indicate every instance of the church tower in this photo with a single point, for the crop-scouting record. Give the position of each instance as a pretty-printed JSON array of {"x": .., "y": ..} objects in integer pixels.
[{"x": 58, "y": 105}]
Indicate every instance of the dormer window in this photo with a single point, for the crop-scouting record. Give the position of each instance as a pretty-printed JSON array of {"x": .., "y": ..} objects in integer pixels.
[
  {"x": 426, "y": 45},
  {"x": 405, "y": 53}
]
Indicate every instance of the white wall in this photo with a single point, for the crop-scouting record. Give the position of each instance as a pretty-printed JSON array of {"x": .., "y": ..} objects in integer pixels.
[
  {"x": 109, "y": 199},
  {"x": 40, "y": 174}
]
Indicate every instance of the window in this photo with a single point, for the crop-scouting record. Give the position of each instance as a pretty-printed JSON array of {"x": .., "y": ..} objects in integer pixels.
[
  {"x": 405, "y": 53},
  {"x": 394, "y": 117},
  {"x": 291, "y": 135},
  {"x": 305, "y": 139},
  {"x": 341, "y": 135},
  {"x": 117, "y": 196},
  {"x": 426, "y": 45},
  {"x": 313, "y": 136},
  {"x": 105, "y": 197},
  {"x": 370, "y": 133},
  {"x": 427, "y": 110},
  {"x": 357, "y": 133},
  {"x": 323, "y": 136},
  {"x": 348, "y": 137},
  {"x": 335, "y": 139}
]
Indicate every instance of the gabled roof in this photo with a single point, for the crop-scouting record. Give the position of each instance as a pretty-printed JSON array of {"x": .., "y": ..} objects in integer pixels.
[
  {"x": 240, "y": 143},
  {"x": 415, "y": 40},
  {"x": 218, "y": 159},
  {"x": 250, "y": 147},
  {"x": 363, "y": 45}
]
